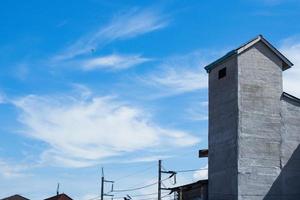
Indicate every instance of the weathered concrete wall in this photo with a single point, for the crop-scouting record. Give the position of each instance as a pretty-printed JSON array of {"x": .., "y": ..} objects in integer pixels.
[
  {"x": 254, "y": 130},
  {"x": 223, "y": 117},
  {"x": 259, "y": 130},
  {"x": 289, "y": 178}
]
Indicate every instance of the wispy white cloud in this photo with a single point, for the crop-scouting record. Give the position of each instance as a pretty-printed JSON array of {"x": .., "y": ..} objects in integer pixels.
[
  {"x": 197, "y": 111},
  {"x": 9, "y": 170},
  {"x": 180, "y": 80},
  {"x": 82, "y": 131},
  {"x": 123, "y": 26},
  {"x": 2, "y": 98},
  {"x": 291, "y": 81},
  {"x": 113, "y": 62},
  {"x": 148, "y": 158},
  {"x": 180, "y": 74}
]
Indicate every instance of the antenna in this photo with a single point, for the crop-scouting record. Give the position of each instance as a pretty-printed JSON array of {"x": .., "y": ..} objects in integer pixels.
[{"x": 57, "y": 189}]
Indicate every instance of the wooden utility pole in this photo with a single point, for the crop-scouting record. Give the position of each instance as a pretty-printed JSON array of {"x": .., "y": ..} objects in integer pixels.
[{"x": 159, "y": 180}]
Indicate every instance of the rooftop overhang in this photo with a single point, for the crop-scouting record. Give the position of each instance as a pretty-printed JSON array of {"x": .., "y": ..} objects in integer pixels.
[
  {"x": 190, "y": 186},
  {"x": 286, "y": 62}
]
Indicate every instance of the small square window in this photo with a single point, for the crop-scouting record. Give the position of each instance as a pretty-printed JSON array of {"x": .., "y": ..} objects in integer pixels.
[{"x": 222, "y": 73}]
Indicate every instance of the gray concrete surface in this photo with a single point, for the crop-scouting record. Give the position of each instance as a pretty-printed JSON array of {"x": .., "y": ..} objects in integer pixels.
[
  {"x": 223, "y": 118},
  {"x": 254, "y": 132}
]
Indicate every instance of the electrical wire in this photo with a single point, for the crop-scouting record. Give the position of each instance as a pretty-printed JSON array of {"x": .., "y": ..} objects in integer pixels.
[
  {"x": 191, "y": 170},
  {"x": 132, "y": 174},
  {"x": 152, "y": 198},
  {"x": 149, "y": 185},
  {"x": 165, "y": 196},
  {"x": 139, "y": 195},
  {"x": 139, "y": 188},
  {"x": 145, "y": 186},
  {"x": 122, "y": 197},
  {"x": 95, "y": 198}
]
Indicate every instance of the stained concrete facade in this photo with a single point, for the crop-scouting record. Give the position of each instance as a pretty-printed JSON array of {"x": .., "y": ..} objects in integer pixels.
[{"x": 254, "y": 128}]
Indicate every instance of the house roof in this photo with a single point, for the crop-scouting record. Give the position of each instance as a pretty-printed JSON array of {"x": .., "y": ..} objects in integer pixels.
[
  {"x": 190, "y": 185},
  {"x": 15, "y": 197},
  {"x": 60, "y": 197},
  {"x": 286, "y": 63}
]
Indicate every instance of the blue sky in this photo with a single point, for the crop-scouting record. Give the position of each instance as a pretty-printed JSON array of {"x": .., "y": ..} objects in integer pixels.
[{"x": 118, "y": 84}]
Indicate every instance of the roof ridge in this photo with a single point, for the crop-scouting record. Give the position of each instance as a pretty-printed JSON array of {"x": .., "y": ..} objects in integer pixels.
[{"x": 247, "y": 45}]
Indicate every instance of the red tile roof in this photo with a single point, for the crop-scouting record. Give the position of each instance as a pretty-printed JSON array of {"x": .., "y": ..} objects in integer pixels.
[
  {"x": 60, "y": 197},
  {"x": 15, "y": 197}
]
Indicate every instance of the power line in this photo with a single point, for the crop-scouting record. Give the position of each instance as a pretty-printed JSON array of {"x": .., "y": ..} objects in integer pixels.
[
  {"x": 139, "y": 188},
  {"x": 191, "y": 170},
  {"x": 153, "y": 198},
  {"x": 152, "y": 184},
  {"x": 159, "y": 182},
  {"x": 95, "y": 198},
  {"x": 138, "y": 195},
  {"x": 132, "y": 174},
  {"x": 127, "y": 165},
  {"x": 165, "y": 196}
]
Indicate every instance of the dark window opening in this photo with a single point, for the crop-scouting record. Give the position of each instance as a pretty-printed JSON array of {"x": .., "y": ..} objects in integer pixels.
[{"x": 222, "y": 73}]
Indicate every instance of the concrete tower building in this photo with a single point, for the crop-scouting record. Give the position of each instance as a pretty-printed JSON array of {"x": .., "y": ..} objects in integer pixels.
[{"x": 254, "y": 127}]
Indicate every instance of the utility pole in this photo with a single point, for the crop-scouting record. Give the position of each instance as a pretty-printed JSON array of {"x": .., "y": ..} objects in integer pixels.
[
  {"x": 160, "y": 172},
  {"x": 102, "y": 184},
  {"x": 159, "y": 180},
  {"x": 103, "y": 181}
]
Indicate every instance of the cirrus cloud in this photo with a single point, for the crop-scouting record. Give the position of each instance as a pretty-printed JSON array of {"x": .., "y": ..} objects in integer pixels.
[
  {"x": 180, "y": 74},
  {"x": 126, "y": 25},
  {"x": 82, "y": 132},
  {"x": 113, "y": 62}
]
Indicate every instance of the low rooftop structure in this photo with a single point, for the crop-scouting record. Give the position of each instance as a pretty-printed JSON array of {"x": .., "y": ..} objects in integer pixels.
[
  {"x": 60, "y": 197},
  {"x": 15, "y": 197},
  {"x": 192, "y": 191}
]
